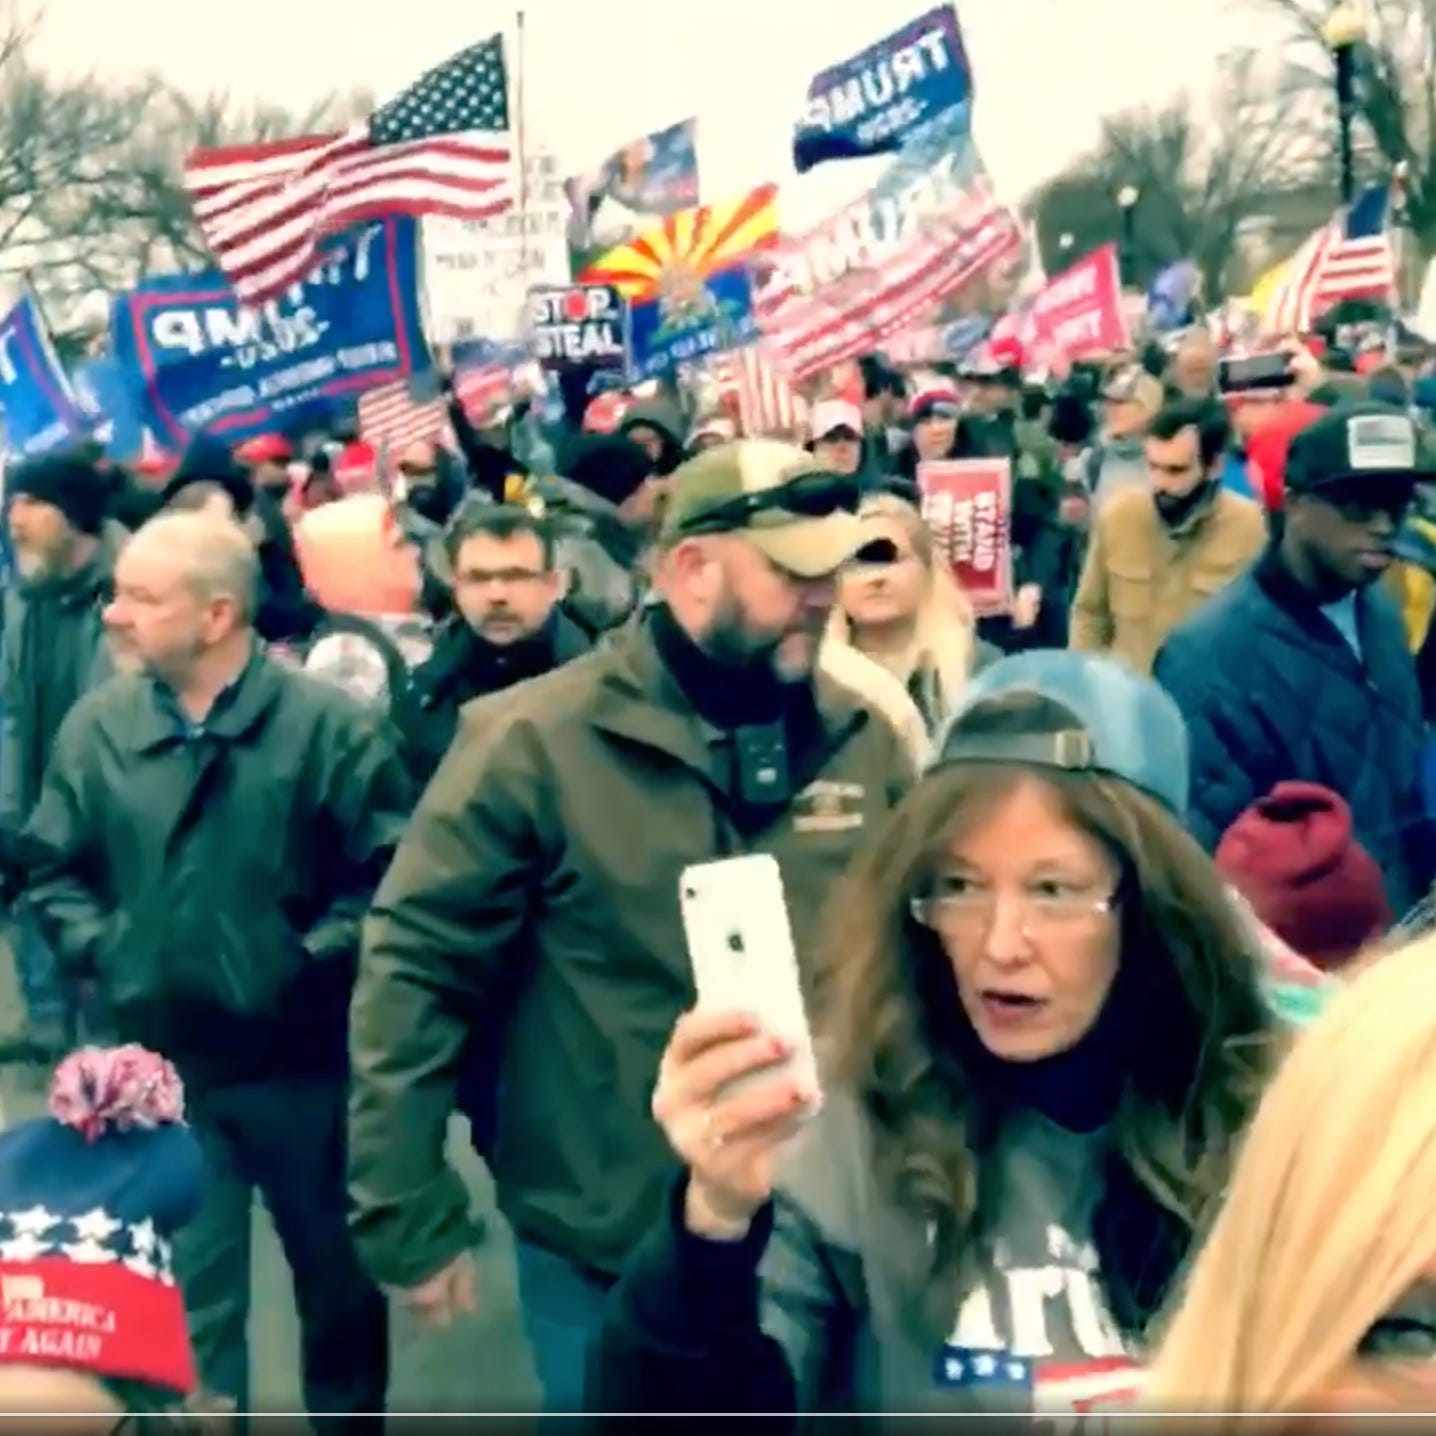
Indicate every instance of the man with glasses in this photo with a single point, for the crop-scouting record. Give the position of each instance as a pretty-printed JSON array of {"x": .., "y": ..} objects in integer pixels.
[
  {"x": 535, "y": 896},
  {"x": 1300, "y": 668},
  {"x": 508, "y": 626}
]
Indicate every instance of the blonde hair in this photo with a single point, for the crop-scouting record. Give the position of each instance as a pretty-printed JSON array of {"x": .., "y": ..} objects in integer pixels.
[
  {"x": 1330, "y": 1218},
  {"x": 940, "y": 654}
]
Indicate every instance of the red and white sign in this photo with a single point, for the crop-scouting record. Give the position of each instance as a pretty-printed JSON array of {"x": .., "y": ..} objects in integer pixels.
[
  {"x": 881, "y": 264},
  {"x": 968, "y": 506},
  {"x": 1077, "y": 312}
]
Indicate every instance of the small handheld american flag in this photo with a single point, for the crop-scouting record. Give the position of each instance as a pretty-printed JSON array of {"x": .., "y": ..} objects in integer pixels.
[{"x": 1047, "y": 1388}]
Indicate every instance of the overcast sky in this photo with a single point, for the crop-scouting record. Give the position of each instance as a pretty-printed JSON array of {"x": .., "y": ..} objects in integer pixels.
[{"x": 596, "y": 75}]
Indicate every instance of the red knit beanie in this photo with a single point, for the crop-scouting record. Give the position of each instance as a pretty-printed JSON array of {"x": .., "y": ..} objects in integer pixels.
[{"x": 1293, "y": 856}]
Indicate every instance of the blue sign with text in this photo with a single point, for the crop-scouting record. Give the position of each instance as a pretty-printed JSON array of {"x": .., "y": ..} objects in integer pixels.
[
  {"x": 203, "y": 364},
  {"x": 718, "y": 317}
]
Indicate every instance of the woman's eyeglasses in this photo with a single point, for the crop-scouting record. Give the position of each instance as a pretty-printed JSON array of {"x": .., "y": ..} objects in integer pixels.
[{"x": 958, "y": 904}]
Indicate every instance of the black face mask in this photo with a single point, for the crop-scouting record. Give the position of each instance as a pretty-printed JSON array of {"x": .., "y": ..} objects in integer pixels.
[
  {"x": 429, "y": 501},
  {"x": 1172, "y": 509}
]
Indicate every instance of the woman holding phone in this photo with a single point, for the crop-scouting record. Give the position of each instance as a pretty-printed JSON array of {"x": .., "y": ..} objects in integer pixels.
[{"x": 1042, "y": 1031}]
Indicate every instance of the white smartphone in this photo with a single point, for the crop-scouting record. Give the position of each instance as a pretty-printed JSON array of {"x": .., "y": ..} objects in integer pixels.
[{"x": 740, "y": 943}]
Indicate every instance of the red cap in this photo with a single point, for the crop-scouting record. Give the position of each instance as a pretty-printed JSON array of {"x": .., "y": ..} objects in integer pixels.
[
  {"x": 265, "y": 449},
  {"x": 1294, "y": 857},
  {"x": 1006, "y": 352},
  {"x": 605, "y": 413}
]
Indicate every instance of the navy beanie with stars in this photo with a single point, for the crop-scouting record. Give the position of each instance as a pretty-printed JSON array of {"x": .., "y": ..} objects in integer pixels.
[{"x": 89, "y": 1199}]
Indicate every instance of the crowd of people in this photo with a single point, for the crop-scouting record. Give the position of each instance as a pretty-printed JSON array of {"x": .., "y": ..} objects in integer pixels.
[{"x": 347, "y": 805}]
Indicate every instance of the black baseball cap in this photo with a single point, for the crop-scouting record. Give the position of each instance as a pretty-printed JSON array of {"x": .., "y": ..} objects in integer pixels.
[{"x": 1357, "y": 443}]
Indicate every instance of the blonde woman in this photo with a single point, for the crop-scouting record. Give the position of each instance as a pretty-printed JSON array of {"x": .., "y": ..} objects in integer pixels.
[
  {"x": 907, "y": 613},
  {"x": 1316, "y": 1289}
]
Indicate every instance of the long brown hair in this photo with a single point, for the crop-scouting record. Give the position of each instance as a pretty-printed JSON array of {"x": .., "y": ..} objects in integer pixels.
[{"x": 1193, "y": 1060}]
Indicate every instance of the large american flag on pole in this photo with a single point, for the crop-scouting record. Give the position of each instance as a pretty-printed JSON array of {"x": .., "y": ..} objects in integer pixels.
[
  {"x": 1349, "y": 257},
  {"x": 440, "y": 147}
]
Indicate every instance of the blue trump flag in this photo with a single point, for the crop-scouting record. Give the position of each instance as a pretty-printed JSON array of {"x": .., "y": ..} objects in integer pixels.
[
  {"x": 873, "y": 103},
  {"x": 111, "y": 399},
  {"x": 40, "y": 411},
  {"x": 200, "y": 363}
]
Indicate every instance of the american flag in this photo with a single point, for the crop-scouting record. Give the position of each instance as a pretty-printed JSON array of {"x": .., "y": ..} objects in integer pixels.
[
  {"x": 391, "y": 418},
  {"x": 440, "y": 147},
  {"x": 1094, "y": 1385},
  {"x": 754, "y": 385},
  {"x": 1349, "y": 257}
]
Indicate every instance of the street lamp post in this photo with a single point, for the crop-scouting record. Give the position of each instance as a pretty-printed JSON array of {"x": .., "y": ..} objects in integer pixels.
[
  {"x": 1344, "y": 30},
  {"x": 1127, "y": 198}
]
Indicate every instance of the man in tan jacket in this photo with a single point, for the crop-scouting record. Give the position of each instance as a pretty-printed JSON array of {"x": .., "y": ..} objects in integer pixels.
[{"x": 1156, "y": 554}]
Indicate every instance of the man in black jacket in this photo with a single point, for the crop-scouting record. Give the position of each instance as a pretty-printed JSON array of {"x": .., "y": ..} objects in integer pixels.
[
  {"x": 207, "y": 838},
  {"x": 508, "y": 626},
  {"x": 1299, "y": 670}
]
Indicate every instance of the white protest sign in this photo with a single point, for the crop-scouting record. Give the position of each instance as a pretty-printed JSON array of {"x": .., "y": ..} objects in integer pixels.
[{"x": 477, "y": 273}]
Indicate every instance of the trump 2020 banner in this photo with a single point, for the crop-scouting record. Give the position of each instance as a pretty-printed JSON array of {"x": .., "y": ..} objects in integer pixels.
[
  {"x": 204, "y": 364},
  {"x": 874, "y": 102},
  {"x": 40, "y": 412}
]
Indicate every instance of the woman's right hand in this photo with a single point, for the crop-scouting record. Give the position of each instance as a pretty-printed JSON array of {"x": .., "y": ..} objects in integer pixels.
[{"x": 728, "y": 1139}]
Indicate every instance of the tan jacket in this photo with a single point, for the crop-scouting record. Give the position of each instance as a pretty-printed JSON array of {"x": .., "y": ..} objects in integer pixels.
[
  {"x": 882, "y": 692},
  {"x": 1141, "y": 578}
]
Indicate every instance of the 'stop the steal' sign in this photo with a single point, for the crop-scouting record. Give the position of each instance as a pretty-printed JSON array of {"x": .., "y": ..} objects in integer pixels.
[{"x": 579, "y": 324}]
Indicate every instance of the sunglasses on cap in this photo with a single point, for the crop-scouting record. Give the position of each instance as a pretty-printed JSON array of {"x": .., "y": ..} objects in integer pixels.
[
  {"x": 937, "y": 409},
  {"x": 418, "y": 471},
  {"x": 811, "y": 496}
]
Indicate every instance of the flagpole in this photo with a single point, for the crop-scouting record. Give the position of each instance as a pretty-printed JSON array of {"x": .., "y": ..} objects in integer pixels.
[{"x": 519, "y": 127}]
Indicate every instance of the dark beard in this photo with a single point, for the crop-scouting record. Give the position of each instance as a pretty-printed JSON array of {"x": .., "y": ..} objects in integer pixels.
[{"x": 1172, "y": 509}]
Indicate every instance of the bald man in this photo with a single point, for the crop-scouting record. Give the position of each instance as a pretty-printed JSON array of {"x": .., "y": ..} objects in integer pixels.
[{"x": 213, "y": 823}]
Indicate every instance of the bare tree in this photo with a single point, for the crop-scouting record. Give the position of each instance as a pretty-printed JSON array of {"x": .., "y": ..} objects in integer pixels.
[
  {"x": 91, "y": 175},
  {"x": 57, "y": 139},
  {"x": 147, "y": 211},
  {"x": 1197, "y": 177},
  {"x": 1395, "y": 94}
]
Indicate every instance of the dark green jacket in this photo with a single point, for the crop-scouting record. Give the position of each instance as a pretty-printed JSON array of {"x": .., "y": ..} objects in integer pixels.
[
  {"x": 534, "y": 901},
  {"x": 214, "y": 883},
  {"x": 54, "y": 650}
]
